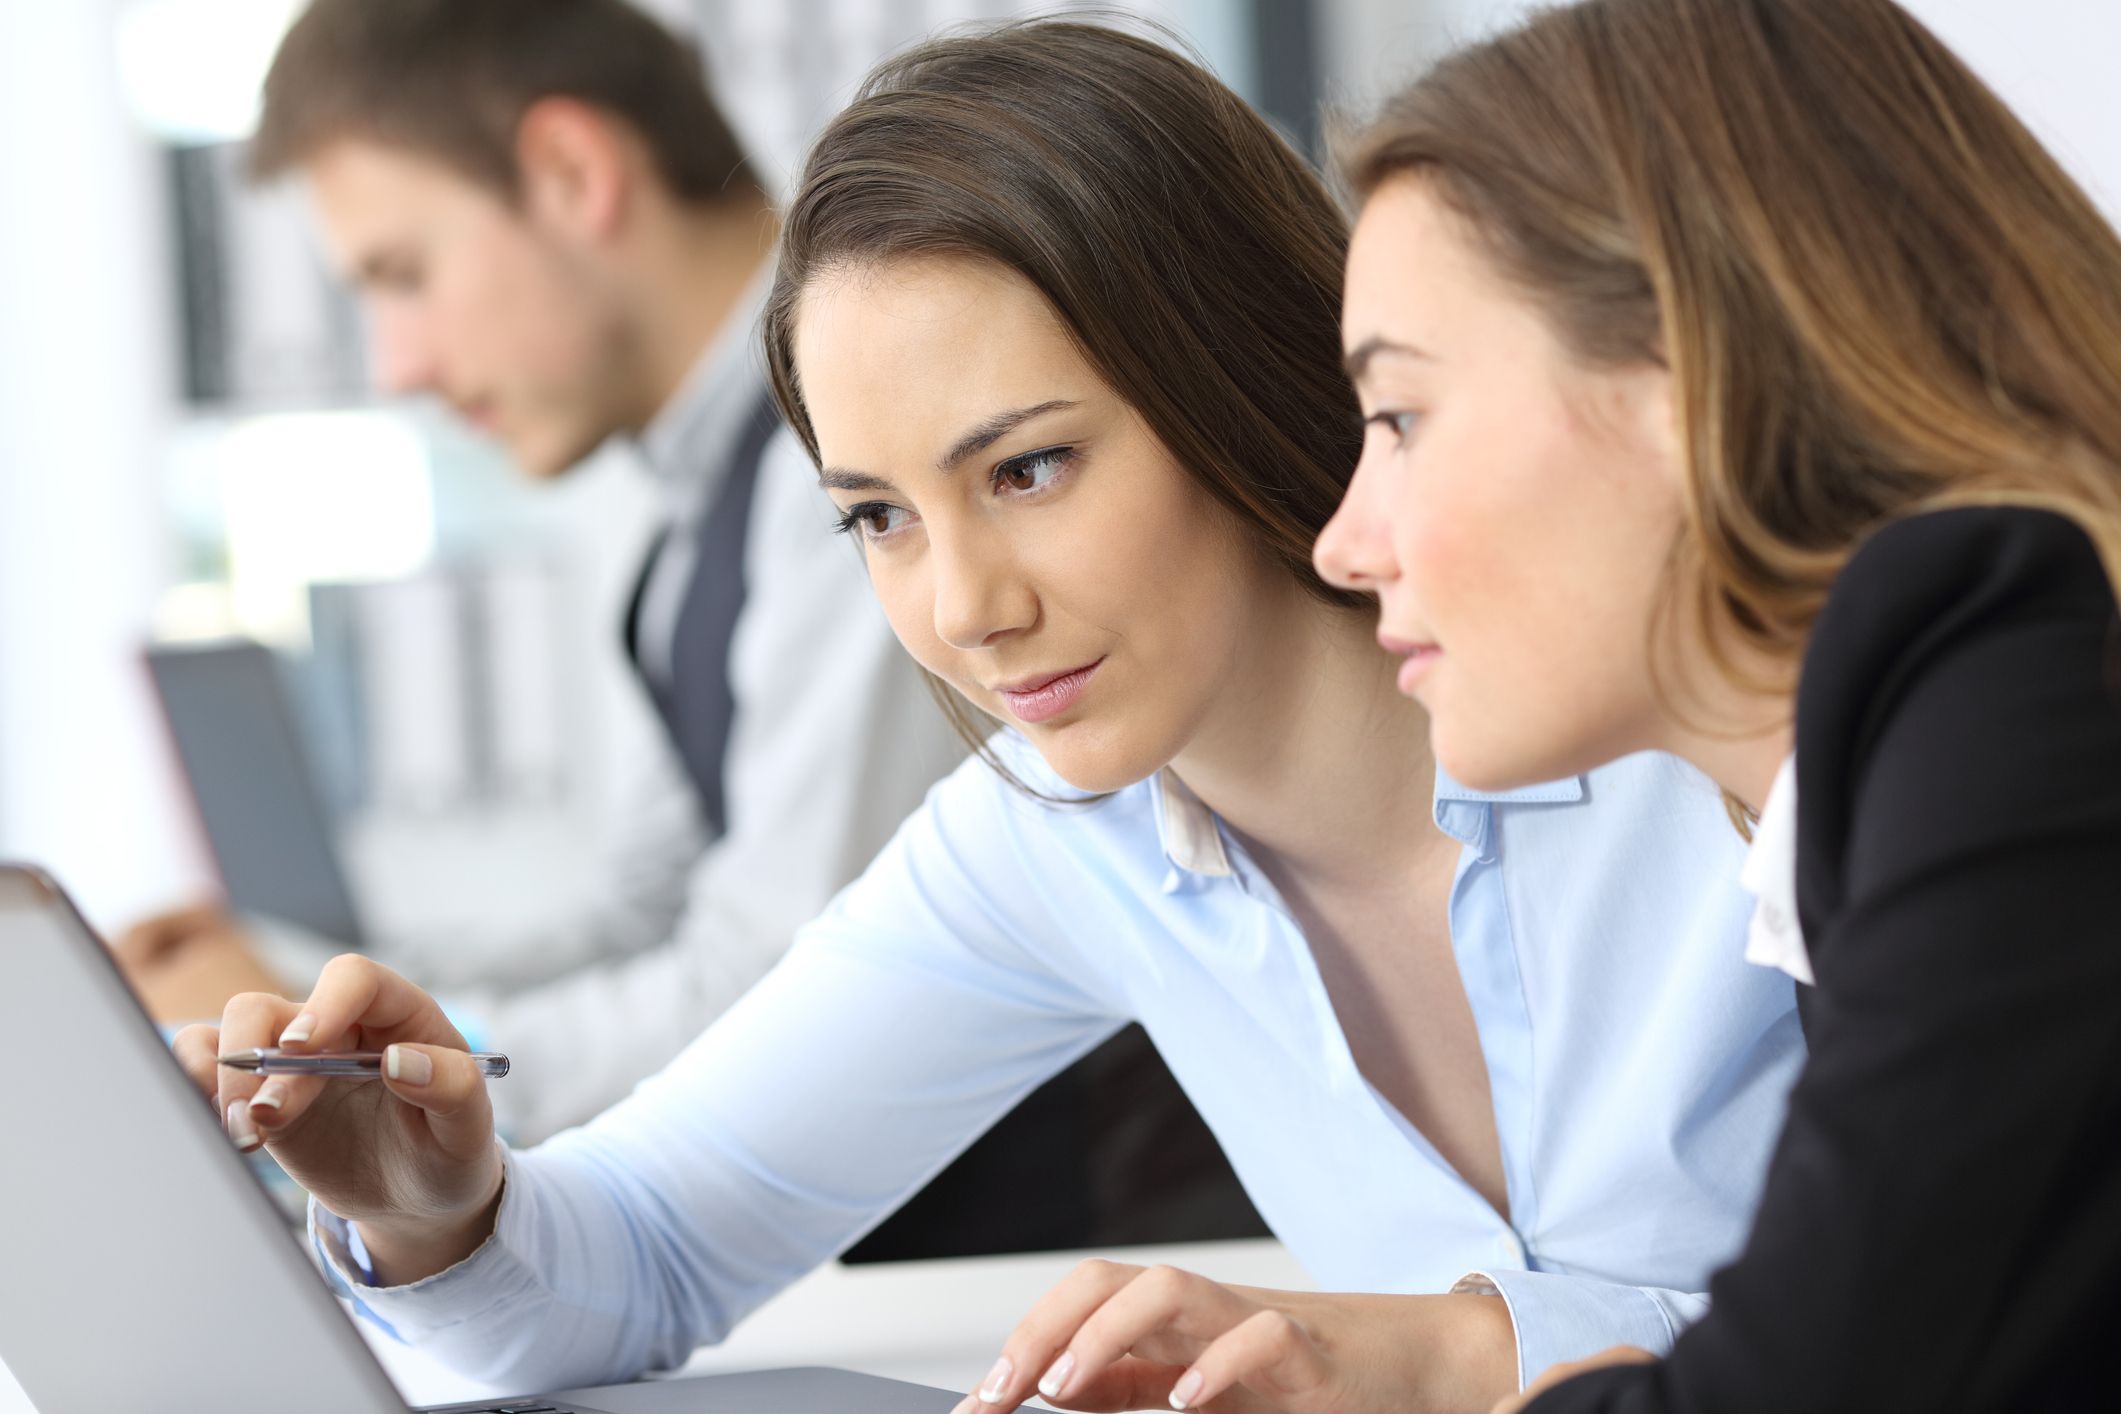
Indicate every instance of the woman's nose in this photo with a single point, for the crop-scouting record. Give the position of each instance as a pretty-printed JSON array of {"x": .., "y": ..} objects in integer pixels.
[
  {"x": 981, "y": 594},
  {"x": 1354, "y": 551}
]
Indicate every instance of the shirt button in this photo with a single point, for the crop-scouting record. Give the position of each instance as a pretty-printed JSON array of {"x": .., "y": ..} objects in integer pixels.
[{"x": 1510, "y": 1249}]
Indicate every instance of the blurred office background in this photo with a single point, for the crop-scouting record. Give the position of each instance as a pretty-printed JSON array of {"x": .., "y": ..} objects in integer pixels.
[{"x": 188, "y": 446}]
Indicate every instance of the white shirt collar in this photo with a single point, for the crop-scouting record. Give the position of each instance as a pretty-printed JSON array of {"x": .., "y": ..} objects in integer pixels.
[
  {"x": 1775, "y": 937},
  {"x": 1187, "y": 829},
  {"x": 683, "y": 446}
]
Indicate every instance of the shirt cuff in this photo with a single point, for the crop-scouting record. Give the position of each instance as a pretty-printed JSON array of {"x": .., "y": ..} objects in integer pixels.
[
  {"x": 411, "y": 1312},
  {"x": 1561, "y": 1318}
]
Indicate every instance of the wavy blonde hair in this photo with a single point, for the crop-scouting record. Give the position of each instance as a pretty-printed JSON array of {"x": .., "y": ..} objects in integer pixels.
[{"x": 1877, "y": 293}]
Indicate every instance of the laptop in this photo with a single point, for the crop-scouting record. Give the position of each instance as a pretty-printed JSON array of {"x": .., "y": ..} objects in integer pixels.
[
  {"x": 145, "y": 1268},
  {"x": 255, "y": 785}
]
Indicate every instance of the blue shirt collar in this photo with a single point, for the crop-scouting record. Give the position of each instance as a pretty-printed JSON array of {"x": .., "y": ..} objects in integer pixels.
[
  {"x": 1192, "y": 839},
  {"x": 1468, "y": 815}
]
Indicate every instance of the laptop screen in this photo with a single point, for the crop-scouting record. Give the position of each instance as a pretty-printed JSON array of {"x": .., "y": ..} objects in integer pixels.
[
  {"x": 250, "y": 771},
  {"x": 145, "y": 1269}
]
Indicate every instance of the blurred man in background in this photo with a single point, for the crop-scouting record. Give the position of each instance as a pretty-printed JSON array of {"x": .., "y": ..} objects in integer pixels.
[{"x": 555, "y": 231}]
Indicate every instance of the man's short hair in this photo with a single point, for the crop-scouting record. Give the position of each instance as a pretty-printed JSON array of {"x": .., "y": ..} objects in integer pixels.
[{"x": 451, "y": 80}]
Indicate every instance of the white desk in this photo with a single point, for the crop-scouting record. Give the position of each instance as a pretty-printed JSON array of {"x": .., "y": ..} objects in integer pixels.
[{"x": 933, "y": 1323}]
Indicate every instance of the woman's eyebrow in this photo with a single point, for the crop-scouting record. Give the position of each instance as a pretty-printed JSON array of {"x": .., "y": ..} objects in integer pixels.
[
  {"x": 839, "y": 478},
  {"x": 1358, "y": 361},
  {"x": 993, "y": 430}
]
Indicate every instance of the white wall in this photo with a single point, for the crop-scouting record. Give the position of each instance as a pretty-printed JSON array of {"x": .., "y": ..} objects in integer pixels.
[
  {"x": 2053, "y": 60},
  {"x": 780, "y": 75},
  {"x": 85, "y": 350}
]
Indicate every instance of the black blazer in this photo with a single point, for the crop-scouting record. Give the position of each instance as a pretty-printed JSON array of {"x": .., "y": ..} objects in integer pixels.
[{"x": 1941, "y": 1225}]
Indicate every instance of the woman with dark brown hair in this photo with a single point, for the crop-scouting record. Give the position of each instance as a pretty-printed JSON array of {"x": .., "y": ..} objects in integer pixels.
[
  {"x": 1743, "y": 371},
  {"x": 1058, "y": 316}
]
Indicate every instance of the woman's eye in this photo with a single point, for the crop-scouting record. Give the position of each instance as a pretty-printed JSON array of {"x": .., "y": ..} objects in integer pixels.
[
  {"x": 1032, "y": 470},
  {"x": 875, "y": 520},
  {"x": 1400, "y": 424}
]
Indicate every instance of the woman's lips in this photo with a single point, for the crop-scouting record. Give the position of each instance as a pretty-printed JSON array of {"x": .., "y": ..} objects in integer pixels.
[
  {"x": 1041, "y": 699},
  {"x": 1421, "y": 658}
]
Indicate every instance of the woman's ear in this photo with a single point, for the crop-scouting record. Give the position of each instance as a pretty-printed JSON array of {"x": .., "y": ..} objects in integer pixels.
[
  {"x": 1653, "y": 416},
  {"x": 574, "y": 168}
]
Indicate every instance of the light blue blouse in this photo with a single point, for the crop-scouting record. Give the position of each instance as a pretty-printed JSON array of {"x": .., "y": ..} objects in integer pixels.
[{"x": 1638, "y": 1067}]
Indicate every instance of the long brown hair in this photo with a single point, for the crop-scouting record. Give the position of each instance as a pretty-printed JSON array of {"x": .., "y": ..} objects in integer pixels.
[
  {"x": 1877, "y": 293},
  {"x": 1193, "y": 256}
]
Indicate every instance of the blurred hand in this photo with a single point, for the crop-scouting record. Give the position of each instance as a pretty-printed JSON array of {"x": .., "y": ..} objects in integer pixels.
[
  {"x": 1559, "y": 1374},
  {"x": 412, "y": 1159},
  {"x": 197, "y": 977},
  {"x": 1113, "y": 1337},
  {"x": 153, "y": 939}
]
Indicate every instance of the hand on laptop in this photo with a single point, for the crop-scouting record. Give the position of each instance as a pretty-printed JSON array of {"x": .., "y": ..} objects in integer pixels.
[
  {"x": 412, "y": 1159},
  {"x": 197, "y": 977},
  {"x": 153, "y": 940},
  {"x": 1113, "y": 1336},
  {"x": 186, "y": 963}
]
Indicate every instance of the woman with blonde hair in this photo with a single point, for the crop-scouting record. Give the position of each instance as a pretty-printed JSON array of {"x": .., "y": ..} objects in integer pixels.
[{"x": 1743, "y": 381}]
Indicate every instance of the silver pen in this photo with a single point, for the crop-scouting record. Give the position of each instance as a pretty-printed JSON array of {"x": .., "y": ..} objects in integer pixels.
[{"x": 354, "y": 1065}]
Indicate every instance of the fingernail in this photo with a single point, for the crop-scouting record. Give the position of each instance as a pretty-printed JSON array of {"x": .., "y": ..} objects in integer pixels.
[
  {"x": 1057, "y": 1378},
  {"x": 1187, "y": 1390},
  {"x": 240, "y": 1128},
  {"x": 269, "y": 1096},
  {"x": 408, "y": 1066},
  {"x": 299, "y": 1030},
  {"x": 990, "y": 1391}
]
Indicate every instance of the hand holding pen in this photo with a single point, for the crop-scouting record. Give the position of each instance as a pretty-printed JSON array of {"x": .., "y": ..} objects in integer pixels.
[{"x": 411, "y": 1158}]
